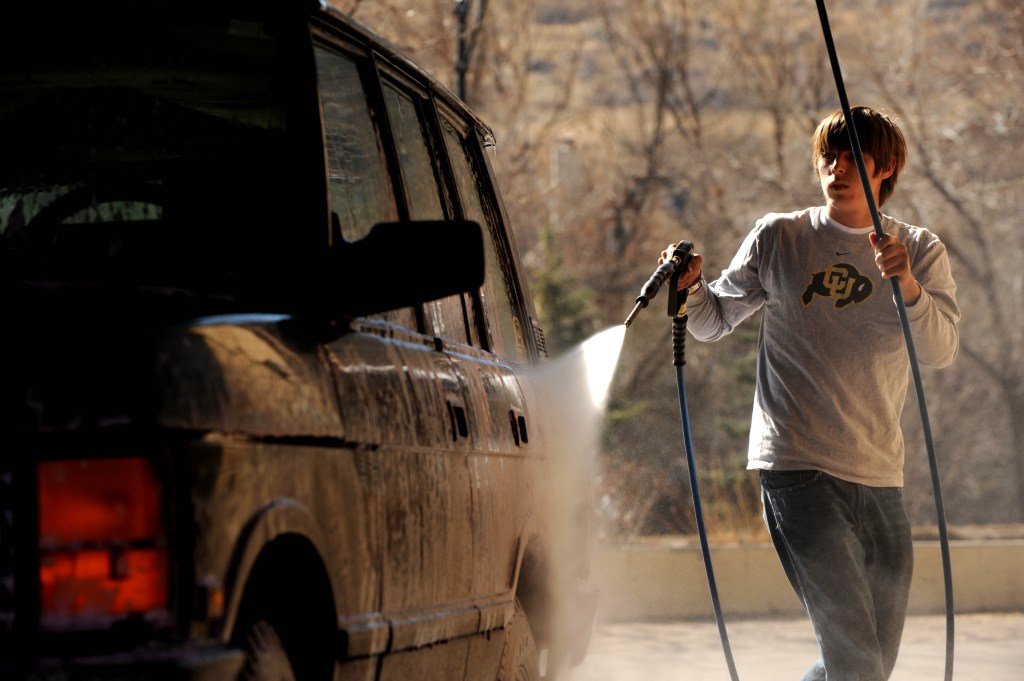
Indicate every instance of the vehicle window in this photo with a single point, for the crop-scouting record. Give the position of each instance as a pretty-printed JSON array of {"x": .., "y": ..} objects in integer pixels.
[
  {"x": 498, "y": 295},
  {"x": 121, "y": 164},
  {"x": 421, "y": 186},
  {"x": 359, "y": 188},
  {"x": 360, "y": 193},
  {"x": 445, "y": 318}
]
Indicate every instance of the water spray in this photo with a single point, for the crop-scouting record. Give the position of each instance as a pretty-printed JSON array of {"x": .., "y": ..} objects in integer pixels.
[{"x": 672, "y": 269}]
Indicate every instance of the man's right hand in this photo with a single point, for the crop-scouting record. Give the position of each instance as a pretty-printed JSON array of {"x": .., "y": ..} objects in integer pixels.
[{"x": 692, "y": 274}]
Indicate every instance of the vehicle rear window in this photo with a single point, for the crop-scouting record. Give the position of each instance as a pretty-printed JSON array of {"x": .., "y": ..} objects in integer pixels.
[{"x": 151, "y": 154}]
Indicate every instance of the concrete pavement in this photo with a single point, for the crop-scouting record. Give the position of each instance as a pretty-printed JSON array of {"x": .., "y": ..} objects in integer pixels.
[{"x": 987, "y": 647}]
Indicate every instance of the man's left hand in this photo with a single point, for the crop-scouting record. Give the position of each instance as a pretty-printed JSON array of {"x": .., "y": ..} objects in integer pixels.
[{"x": 893, "y": 260}]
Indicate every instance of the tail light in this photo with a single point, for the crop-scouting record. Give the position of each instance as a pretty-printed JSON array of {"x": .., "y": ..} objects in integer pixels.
[{"x": 102, "y": 549}]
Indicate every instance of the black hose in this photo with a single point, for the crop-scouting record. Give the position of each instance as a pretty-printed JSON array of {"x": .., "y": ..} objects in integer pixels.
[
  {"x": 672, "y": 269},
  {"x": 678, "y": 343},
  {"x": 902, "y": 310}
]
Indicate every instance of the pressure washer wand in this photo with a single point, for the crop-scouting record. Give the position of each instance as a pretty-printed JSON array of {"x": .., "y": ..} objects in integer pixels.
[
  {"x": 671, "y": 269},
  {"x": 681, "y": 255}
]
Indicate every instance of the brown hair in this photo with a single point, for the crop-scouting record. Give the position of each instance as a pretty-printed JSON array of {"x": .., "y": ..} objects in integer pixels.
[{"x": 878, "y": 135}]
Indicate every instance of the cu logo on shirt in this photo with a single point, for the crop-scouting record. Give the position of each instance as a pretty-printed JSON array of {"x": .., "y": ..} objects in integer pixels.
[{"x": 842, "y": 282}]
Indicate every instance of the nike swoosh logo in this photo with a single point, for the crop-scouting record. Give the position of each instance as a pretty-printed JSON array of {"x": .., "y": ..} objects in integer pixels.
[{"x": 842, "y": 254}]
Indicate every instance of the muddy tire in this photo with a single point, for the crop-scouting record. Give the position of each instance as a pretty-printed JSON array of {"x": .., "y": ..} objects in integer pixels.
[
  {"x": 519, "y": 658},
  {"x": 265, "y": 656}
]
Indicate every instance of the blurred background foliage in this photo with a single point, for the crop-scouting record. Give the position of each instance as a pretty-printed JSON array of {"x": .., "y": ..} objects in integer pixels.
[{"x": 624, "y": 125}]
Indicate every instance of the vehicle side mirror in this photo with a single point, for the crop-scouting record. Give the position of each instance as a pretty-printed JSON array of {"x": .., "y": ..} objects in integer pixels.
[{"x": 401, "y": 264}]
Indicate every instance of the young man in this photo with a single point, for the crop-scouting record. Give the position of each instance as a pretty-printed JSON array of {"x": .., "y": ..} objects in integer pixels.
[{"x": 832, "y": 378}]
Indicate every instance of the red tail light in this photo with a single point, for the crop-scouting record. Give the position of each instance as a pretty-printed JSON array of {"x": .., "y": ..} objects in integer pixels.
[{"x": 101, "y": 540}]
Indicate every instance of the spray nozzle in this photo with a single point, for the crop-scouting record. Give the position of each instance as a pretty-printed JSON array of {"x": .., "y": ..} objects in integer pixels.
[{"x": 675, "y": 265}]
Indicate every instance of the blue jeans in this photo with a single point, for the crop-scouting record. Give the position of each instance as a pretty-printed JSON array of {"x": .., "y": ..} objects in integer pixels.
[{"x": 848, "y": 553}]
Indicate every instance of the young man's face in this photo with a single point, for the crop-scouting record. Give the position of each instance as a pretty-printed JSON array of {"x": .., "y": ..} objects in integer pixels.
[{"x": 841, "y": 185}]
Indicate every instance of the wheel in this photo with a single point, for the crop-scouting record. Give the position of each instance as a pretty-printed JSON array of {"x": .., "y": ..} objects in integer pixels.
[
  {"x": 44, "y": 227},
  {"x": 519, "y": 658},
  {"x": 286, "y": 621},
  {"x": 265, "y": 656}
]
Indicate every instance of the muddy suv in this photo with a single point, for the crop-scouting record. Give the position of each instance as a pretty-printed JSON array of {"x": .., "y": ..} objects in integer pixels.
[{"x": 267, "y": 408}]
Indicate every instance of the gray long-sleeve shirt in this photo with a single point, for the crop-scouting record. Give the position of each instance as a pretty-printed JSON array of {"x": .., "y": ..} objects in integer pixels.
[{"x": 832, "y": 364}]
